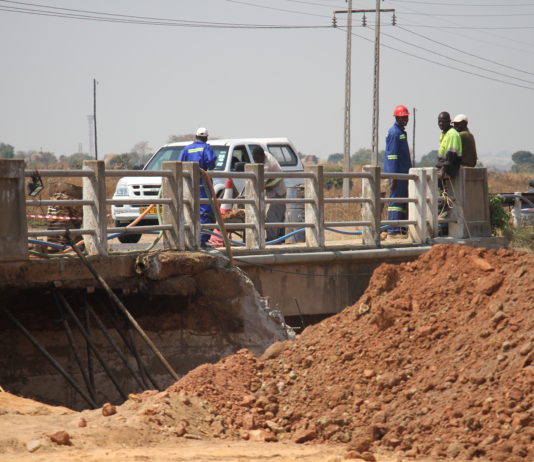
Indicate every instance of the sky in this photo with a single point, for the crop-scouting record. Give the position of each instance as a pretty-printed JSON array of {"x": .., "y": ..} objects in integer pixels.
[{"x": 262, "y": 68}]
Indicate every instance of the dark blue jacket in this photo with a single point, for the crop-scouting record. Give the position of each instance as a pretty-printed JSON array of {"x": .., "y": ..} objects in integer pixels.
[
  {"x": 203, "y": 154},
  {"x": 397, "y": 155},
  {"x": 199, "y": 152}
]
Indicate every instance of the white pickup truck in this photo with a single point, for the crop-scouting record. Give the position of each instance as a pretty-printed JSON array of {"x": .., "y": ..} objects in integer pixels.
[{"x": 229, "y": 152}]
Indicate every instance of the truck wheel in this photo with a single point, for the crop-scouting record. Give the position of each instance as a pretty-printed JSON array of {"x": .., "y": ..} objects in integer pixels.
[{"x": 127, "y": 238}]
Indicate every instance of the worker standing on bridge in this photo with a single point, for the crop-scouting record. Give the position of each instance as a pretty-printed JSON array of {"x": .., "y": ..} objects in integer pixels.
[
  {"x": 450, "y": 147},
  {"x": 397, "y": 160},
  {"x": 200, "y": 151},
  {"x": 469, "y": 148},
  {"x": 274, "y": 188}
]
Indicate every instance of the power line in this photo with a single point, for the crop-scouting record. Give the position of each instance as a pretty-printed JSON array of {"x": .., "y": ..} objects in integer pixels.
[
  {"x": 465, "y": 52},
  {"x": 459, "y": 60},
  {"x": 445, "y": 65},
  {"x": 124, "y": 19},
  {"x": 277, "y": 9},
  {"x": 465, "y": 4},
  {"x": 478, "y": 15},
  {"x": 478, "y": 31}
]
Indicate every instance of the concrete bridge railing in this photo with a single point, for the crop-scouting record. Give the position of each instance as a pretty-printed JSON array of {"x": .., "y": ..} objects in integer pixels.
[{"x": 180, "y": 197}]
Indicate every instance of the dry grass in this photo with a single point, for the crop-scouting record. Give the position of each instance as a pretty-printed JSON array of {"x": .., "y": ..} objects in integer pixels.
[{"x": 507, "y": 182}]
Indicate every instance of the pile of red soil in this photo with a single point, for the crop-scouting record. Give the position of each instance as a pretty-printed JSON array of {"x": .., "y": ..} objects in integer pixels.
[{"x": 436, "y": 359}]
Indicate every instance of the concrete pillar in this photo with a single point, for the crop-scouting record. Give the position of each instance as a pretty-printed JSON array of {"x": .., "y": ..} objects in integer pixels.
[
  {"x": 255, "y": 213},
  {"x": 314, "y": 213},
  {"x": 191, "y": 202},
  {"x": 173, "y": 214},
  {"x": 371, "y": 210},
  {"x": 13, "y": 225},
  {"x": 418, "y": 210},
  {"x": 431, "y": 176},
  {"x": 94, "y": 216}
]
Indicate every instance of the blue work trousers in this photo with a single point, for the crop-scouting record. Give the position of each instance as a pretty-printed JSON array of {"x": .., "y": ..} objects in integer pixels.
[
  {"x": 206, "y": 216},
  {"x": 398, "y": 210}
]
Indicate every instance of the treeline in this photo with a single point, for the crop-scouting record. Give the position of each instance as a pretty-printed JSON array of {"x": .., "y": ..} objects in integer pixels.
[{"x": 138, "y": 156}]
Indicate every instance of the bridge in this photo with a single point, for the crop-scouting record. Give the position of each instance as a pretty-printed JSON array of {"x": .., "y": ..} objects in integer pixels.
[
  {"x": 194, "y": 306},
  {"x": 278, "y": 270}
]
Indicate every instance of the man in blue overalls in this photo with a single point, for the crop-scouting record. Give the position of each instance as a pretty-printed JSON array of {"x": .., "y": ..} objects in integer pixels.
[
  {"x": 200, "y": 151},
  {"x": 397, "y": 160}
]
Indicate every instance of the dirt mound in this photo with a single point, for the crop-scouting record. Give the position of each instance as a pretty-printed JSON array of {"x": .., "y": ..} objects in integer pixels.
[{"x": 436, "y": 359}]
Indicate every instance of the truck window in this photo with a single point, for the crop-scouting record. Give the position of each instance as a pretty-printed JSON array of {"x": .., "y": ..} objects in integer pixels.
[
  {"x": 283, "y": 154},
  {"x": 239, "y": 154},
  {"x": 221, "y": 152}
]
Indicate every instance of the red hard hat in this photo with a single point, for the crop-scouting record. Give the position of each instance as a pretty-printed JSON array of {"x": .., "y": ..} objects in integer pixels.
[{"x": 401, "y": 111}]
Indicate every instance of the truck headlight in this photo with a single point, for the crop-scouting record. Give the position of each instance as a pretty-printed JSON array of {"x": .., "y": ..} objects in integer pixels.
[{"x": 121, "y": 190}]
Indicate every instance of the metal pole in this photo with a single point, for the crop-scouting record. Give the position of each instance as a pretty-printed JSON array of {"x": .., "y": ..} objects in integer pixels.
[
  {"x": 94, "y": 117},
  {"x": 413, "y": 139},
  {"x": 87, "y": 337},
  {"x": 48, "y": 356},
  {"x": 77, "y": 356},
  {"x": 127, "y": 339},
  {"x": 113, "y": 343},
  {"x": 346, "y": 144},
  {"x": 374, "y": 155},
  {"x": 121, "y": 306}
]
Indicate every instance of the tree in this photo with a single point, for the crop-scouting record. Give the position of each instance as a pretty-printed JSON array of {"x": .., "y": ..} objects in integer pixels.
[
  {"x": 140, "y": 153},
  {"x": 75, "y": 161},
  {"x": 336, "y": 158},
  {"x": 428, "y": 160},
  {"x": 6, "y": 151},
  {"x": 523, "y": 161}
]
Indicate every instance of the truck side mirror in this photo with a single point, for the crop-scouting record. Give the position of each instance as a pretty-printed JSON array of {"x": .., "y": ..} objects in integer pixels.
[{"x": 240, "y": 166}]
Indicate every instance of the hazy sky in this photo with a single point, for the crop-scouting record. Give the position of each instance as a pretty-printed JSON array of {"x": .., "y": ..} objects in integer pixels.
[{"x": 159, "y": 73}]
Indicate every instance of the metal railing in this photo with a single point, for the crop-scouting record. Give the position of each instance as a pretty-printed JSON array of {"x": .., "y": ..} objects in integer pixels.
[{"x": 180, "y": 197}]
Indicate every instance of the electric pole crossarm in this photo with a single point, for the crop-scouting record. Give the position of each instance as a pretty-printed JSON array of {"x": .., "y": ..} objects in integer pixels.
[{"x": 389, "y": 10}]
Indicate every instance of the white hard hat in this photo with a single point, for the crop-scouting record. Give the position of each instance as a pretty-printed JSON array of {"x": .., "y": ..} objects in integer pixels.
[
  {"x": 202, "y": 131},
  {"x": 460, "y": 118}
]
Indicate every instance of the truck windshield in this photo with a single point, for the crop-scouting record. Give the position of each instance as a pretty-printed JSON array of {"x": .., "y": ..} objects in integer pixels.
[{"x": 172, "y": 153}]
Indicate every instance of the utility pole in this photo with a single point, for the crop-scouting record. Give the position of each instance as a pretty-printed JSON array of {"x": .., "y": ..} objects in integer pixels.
[
  {"x": 94, "y": 117},
  {"x": 374, "y": 154},
  {"x": 413, "y": 139},
  {"x": 374, "y": 147},
  {"x": 91, "y": 135},
  {"x": 346, "y": 143}
]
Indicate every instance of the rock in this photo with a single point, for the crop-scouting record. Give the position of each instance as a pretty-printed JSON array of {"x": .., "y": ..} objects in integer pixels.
[
  {"x": 262, "y": 435},
  {"x": 368, "y": 373},
  {"x": 367, "y": 456},
  {"x": 61, "y": 438},
  {"x": 525, "y": 349},
  {"x": 82, "y": 422},
  {"x": 301, "y": 436},
  {"x": 108, "y": 409},
  {"x": 33, "y": 445},
  {"x": 498, "y": 317},
  {"x": 248, "y": 400},
  {"x": 180, "y": 430},
  {"x": 454, "y": 449},
  {"x": 361, "y": 444},
  {"x": 249, "y": 422},
  {"x": 481, "y": 263},
  {"x": 273, "y": 351},
  {"x": 274, "y": 427}
]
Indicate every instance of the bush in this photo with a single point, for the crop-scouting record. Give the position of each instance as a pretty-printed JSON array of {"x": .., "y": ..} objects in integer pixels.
[{"x": 499, "y": 217}]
